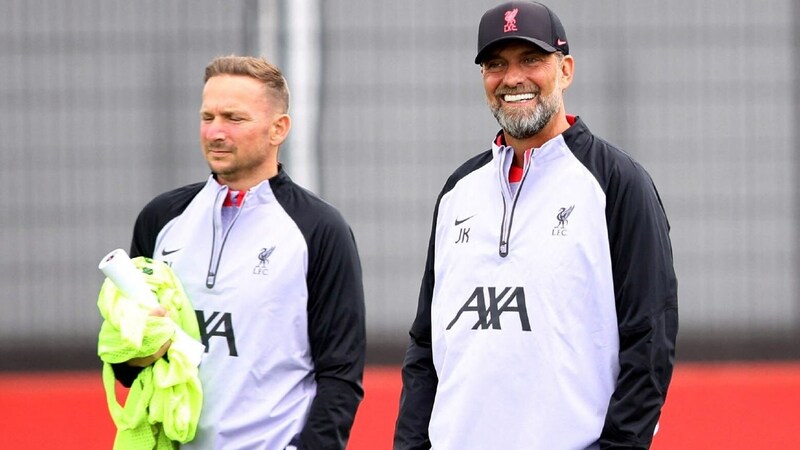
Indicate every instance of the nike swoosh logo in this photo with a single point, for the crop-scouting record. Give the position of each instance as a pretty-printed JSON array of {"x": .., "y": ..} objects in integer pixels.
[
  {"x": 166, "y": 252},
  {"x": 459, "y": 222}
]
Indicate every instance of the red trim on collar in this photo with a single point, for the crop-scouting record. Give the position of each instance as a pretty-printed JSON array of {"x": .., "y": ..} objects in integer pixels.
[
  {"x": 234, "y": 198},
  {"x": 500, "y": 140},
  {"x": 515, "y": 174},
  {"x": 571, "y": 119}
]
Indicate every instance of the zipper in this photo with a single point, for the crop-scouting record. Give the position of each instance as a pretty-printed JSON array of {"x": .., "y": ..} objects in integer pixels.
[
  {"x": 505, "y": 192},
  {"x": 216, "y": 253}
]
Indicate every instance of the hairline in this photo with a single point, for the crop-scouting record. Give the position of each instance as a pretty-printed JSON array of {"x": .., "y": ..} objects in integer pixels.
[{"x": 259, "y": 69}]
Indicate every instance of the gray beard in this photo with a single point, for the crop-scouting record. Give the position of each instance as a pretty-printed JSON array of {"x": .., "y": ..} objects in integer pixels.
[{"x": 528, "y": 122}]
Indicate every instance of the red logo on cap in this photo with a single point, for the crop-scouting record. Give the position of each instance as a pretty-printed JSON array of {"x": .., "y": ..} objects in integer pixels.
[{"x": 511, "y": 20}]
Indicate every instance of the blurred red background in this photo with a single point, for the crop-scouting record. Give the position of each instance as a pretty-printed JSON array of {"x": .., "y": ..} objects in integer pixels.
[{"x": 710, "y": 406}]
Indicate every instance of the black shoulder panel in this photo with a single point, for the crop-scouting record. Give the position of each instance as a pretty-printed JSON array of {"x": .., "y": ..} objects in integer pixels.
[
  {"x": 471, "y": 165},
  {"x": 158, "y": 213}
]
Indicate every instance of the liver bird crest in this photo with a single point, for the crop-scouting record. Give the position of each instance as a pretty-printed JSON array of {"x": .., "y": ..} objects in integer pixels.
[{"x": 563, "y": 214}]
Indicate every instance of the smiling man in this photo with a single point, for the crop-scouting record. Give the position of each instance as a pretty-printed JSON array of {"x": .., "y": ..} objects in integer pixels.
[{"x": 548, "y": 311}]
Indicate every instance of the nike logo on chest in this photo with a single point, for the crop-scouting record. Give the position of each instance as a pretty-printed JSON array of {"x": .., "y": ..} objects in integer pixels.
[{"x": 460, "y": 221}]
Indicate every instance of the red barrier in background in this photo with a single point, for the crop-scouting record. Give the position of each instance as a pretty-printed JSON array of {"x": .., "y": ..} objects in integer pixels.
[{"x": 710, "y": 406}]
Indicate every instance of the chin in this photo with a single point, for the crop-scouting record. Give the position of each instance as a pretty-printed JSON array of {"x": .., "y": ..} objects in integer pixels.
[{"x": 219, "y": 169}]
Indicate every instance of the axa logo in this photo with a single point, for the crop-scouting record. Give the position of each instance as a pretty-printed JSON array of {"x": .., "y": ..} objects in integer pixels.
[
  {"x": 511, "y": 20},
  {"x": 263, "y": 261},
  {"x": 487, "y": 304},
  {"x": 563, "y": 220},
  {"x": 217, "y": 325}
]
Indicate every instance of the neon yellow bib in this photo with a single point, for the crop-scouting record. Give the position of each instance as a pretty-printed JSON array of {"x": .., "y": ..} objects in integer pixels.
[{"x": 163, "y": 405}]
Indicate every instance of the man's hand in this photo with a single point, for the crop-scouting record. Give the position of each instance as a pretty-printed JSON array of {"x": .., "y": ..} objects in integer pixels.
[{"x": 148, "y": 360}]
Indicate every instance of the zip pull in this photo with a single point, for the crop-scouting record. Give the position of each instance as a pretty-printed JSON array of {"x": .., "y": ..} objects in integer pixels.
[
  {"x": 503, "y": 249},
  {"x": 211, "y": 279},
  {"x": 232, "y": 200},
  {"x": 508, "y": 213}
]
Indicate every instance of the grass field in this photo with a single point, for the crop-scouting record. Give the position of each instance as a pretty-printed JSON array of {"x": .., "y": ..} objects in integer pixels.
[{"x": 719, "y": 406}]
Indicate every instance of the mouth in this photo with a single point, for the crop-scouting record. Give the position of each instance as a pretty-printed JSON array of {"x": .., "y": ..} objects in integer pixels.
[
  {"x": 518, "y": 98},
  {"x": 217, "y": 150}
]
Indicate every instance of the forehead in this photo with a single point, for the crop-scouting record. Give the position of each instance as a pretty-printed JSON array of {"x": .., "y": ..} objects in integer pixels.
[
  {"x": 234, "y": 91},
  {"x": 514, "y": 48}
]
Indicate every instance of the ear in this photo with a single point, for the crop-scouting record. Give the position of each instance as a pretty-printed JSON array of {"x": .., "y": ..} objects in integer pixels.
[
  {"x": 566, "y": 71},
  {"x": 279, "y": 129}
]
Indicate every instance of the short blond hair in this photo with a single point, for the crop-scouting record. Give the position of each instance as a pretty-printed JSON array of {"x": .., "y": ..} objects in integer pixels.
[{"x": 258, "y": 68}]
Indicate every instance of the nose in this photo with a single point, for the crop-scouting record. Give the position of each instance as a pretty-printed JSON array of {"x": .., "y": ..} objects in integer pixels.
[
  {"x": 212, "y": 131},
  {"x": 514, "y": 75}
]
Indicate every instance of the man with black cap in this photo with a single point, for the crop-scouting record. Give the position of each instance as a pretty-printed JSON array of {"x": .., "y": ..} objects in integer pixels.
[{"x": 548, "y": 310}]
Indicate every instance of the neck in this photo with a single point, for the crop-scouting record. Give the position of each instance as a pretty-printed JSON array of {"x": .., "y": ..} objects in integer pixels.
[
  {"x": 244, "y": 183},
  {"x": 555, "y": 127}
]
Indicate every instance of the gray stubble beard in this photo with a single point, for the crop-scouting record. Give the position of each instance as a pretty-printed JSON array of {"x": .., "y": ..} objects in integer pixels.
[{"x": 527, "y": 123}]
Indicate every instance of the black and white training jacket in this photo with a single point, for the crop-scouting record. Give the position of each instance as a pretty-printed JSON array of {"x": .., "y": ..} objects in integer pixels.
[
  {"x": 280, "y": 305},
  {"x": 548, "y": 313}
]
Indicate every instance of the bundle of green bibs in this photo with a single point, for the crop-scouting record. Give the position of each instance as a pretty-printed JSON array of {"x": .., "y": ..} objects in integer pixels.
[{"x": 163, "y": 405}]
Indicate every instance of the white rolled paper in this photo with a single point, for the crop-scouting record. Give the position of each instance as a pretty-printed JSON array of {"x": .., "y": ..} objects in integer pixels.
[{"x": 119, "y": 268}]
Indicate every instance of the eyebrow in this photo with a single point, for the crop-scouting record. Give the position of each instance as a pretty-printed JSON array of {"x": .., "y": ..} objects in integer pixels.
[{"x": 224, "y": 112}]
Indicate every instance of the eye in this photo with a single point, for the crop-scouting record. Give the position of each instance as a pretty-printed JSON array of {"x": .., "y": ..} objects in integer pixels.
[
  {"x": 206, "y": 117},
  {"x": 494, "y": 65},
  {"x": 530, "y": 61}
]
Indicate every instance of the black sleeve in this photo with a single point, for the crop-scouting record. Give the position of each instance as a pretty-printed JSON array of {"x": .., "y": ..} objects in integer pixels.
[
  {"x": 419, "y": 375},
  {"x": 125, "y": 373},
  {"x": 337, "y": 332},
  {"x": 416, "y": 399},
  {"x": 156, "y": 214},
  {"x": 647, "y": 309}
]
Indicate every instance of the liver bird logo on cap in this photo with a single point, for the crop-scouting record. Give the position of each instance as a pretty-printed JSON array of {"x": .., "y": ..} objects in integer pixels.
[{"x": 511, "y": 20}]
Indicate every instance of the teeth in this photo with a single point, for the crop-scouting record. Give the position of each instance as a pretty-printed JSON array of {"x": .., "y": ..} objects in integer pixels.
[{"x": 517, "y": 97}]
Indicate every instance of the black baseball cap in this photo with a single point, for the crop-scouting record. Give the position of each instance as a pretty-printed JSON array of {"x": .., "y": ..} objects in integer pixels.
[{"x": 527, "y": 21}]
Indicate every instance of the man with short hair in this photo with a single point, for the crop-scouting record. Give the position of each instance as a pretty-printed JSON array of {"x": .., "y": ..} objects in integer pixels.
[
  {"x": 548, "y": 313},
  {"x": 273, "y": 274}
]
